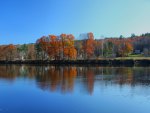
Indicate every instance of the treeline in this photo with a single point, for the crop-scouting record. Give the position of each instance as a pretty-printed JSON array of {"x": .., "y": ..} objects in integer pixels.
[{"x": 66, "y": 47}]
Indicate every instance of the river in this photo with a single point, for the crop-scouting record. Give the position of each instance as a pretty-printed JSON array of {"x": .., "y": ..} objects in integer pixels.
[{"x": 74, "y": 89}]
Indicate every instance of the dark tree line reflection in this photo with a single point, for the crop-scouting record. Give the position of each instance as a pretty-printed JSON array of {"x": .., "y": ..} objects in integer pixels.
[{"x": 64, "y": 78}]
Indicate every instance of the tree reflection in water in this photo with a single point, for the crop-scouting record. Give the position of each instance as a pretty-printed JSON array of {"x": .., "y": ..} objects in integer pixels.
[{"x": 64, "y": 78}]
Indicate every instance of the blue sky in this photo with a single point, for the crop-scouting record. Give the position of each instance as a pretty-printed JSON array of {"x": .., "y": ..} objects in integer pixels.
[{"x": 24, "y": 21}]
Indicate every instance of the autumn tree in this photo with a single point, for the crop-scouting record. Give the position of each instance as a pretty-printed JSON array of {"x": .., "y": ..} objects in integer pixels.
[
  {"x": 124, "y": 47},
  {"x": 42, "y": 47},
  {"x": 128, "y": 48},
  {"x": 9, "y": 52},
  {"x": 31, "y": 52},
  {"x": 2, "y": 56},
  {"x": 54, "y": 47},
  {"x": 69, "y": 50},
  {"x": 88, "y": 45},
  {"x": 58, "y": 47}
]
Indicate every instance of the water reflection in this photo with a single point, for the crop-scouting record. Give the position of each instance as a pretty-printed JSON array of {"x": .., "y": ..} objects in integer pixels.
[{"x": 65, "y": 78}]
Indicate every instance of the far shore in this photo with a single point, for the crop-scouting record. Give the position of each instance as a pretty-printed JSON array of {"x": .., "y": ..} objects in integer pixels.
[{"x": 104, "y": 61}]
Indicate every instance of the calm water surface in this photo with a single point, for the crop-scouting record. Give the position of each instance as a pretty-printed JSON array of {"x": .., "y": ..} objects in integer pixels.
[{"x": 72, "y": 89}]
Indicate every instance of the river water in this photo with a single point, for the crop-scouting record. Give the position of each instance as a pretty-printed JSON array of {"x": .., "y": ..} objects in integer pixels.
[{"x": 74, "y": 89}]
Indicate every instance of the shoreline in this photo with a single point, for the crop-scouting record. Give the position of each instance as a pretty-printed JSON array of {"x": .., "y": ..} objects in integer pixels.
[{"x": 109, "y": 62}]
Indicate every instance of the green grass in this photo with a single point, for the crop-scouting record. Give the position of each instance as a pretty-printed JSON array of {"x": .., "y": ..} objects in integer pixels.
[
  {"x": 131, "y": 56},
  {"x": 135, "y": 55},
  {"x": 134, "y": 58}
]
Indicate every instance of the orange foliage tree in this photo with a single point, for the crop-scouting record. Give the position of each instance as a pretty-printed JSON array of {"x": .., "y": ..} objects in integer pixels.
[
  {"x": 59, "y": 47},
  {"x": 88, "y": 45},
  {"x": 124, "y": 47},
  {"x": 128, "y": 48},
  {"x": 54, "y": 47},
  {"x": 69, "y": 50},
  {"x": 9, "y": 52}
]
